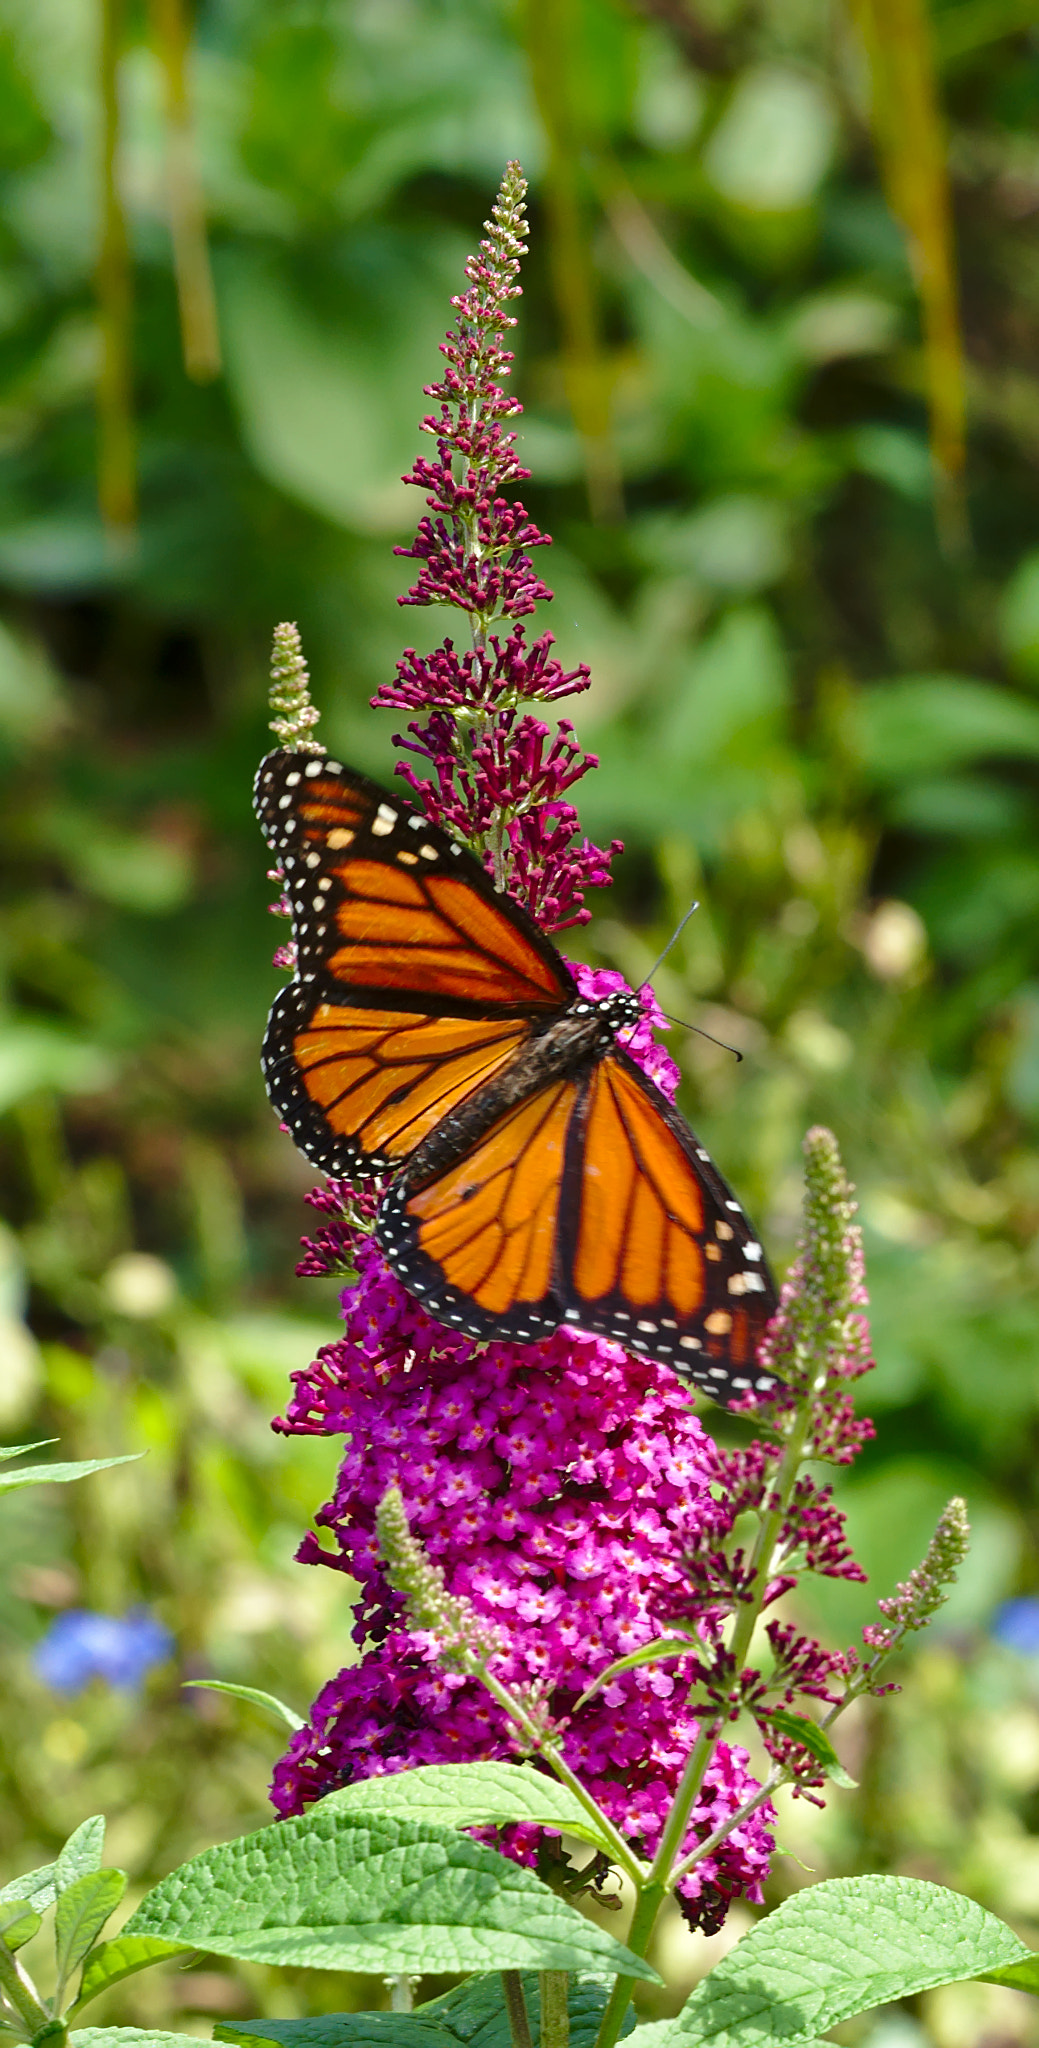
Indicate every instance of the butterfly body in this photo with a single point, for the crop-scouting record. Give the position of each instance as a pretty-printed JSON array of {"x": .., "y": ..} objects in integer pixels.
[
  {"x": 568, "y": 1047},
  {"x": 433, "y": 1032}
]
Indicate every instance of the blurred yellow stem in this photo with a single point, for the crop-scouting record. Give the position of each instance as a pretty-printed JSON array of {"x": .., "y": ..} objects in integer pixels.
[
  {"x": 551, "y": 36},
  {"x": 196, "y": 300},
  {"x": 116, "y": 470},
  {"x": 910, "y": 141}
]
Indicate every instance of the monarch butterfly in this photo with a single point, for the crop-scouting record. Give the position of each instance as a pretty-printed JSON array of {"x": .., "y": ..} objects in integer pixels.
[{"x": 432, "y": 1031}]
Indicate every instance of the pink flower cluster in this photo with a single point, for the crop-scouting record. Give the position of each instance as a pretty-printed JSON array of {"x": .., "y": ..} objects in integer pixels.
[
  {"x": 581, "y": 1560},
  {"x": 498, "y": 774}
]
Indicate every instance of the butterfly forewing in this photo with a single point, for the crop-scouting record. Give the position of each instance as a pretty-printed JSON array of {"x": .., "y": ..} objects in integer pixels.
[
  {"x": 385, "y": 903},
  {"x": 416, "y": 981}
]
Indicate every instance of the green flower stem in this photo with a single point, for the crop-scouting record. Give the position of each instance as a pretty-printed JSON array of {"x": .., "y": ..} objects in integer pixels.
[
  {"x": 555, "y": 2009},
  {"x": 778, "y": 1776},
  {"x": 618, "y": 1847},
  {"x": 516, "y": 2009},
  {"x": 20, "y": 1992},
  {"x": 666, "y": 1866}
]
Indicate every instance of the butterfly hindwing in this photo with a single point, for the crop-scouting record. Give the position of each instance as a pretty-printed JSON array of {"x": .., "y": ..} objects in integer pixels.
[
  {"x": 589, "y": 1203},
  {"x": 361, "y": 1088},
  {"x": 656, "y": 1251},
  {"x": 477, "y": 1241}
]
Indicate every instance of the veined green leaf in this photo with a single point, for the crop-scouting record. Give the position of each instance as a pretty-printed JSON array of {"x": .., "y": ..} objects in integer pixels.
[
  {"x": 469, "y": 1796},
  {"x": 81, "y": 1912},
  {"x": 122, "y": 1957},
  {"x": 335, "y": 1890},
  {"x": 840, "y": 1948},
  {"x": 18, "y": 1922},
  {"x": 82, "y": 1852}
]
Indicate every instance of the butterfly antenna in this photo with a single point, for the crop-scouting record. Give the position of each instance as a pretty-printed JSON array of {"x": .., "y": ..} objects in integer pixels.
[
  {"x": 709, "y": 1035},
  {"x": 673, "y": 940}
]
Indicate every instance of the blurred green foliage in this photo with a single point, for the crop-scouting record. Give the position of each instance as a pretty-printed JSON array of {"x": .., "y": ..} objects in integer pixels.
[{"x": 807, "y": 713}]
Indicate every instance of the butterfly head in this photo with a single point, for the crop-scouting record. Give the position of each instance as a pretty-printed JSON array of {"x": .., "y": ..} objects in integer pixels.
[{"x": 620, "y": 1010}]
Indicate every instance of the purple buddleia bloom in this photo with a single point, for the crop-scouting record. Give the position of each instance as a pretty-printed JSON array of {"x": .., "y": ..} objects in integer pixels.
[
  {"x": 563, "y": 1493},
  {"x": 560, "y": 1486},
  {"x": 579, "y": 1558},
  {"x": 81, "y": 1645}
]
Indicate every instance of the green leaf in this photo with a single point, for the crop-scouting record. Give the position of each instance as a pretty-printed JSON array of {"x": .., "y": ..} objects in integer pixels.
[
  {"x": 267, "y": 1700},
  {"x": 81, "y": 1913},
  {"x": 651, "y": 1653},
  {"x": 37, "y": 1887},
  {"x": 473, "y": 2013},
  {"x": 839, "y": 1948},
  {"x": 82, "y": 1852},
  {"x": 122, "y": 1957},
  {"x": 814, "y": 1740},
  {"x": 469, "y": 1796},
  {"x": 339, "y": 2030},
  {"x": 130, "y": 2037},
  {"x": 1024, "y": 1976},
  {"x": 333, "y": 1890},
  {"x": 18, "y": 1922},
  {"x": 22, "y": 1450},
  {"x": 42, "y": 1475}
]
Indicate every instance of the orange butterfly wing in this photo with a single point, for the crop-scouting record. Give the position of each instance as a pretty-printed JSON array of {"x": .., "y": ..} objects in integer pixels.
[
  {"x": 477, "y": 1242},
  {"x": 420, "y": 992},
  {"x": 416, "y": 982},
  {"x": 590, "y": 1203},
  {"x": 657, "y": 1252}
]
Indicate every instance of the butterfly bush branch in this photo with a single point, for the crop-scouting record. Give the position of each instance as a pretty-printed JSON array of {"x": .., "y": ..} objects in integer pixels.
[
  {"x": 910, "y": 1607},
  {"x": 493, "y": 773},
  {"x": 817, "y": 1343}
]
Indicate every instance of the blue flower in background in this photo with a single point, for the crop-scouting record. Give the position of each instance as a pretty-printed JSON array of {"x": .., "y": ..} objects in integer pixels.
[
  {"x": 80, "y": 1646},
  {"x": 1016, "y": 1625}
]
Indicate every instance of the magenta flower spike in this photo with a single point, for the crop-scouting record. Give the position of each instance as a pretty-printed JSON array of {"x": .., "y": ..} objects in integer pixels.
[{"x": 496, "y": 775}]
